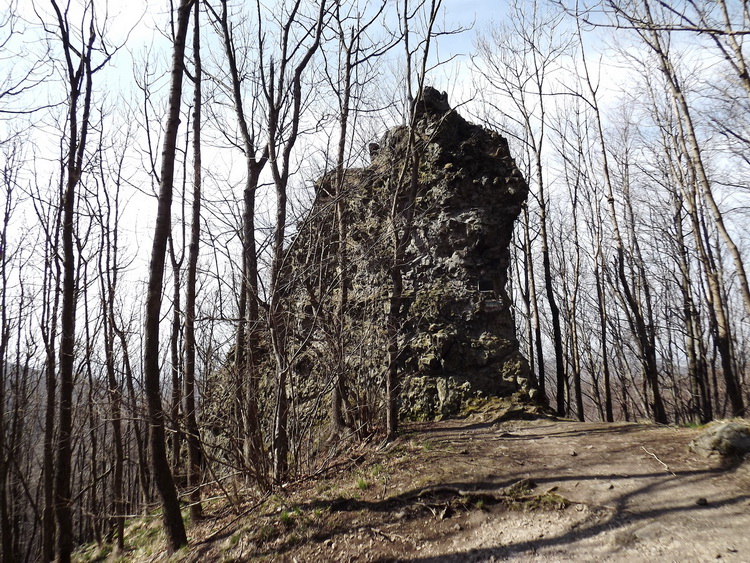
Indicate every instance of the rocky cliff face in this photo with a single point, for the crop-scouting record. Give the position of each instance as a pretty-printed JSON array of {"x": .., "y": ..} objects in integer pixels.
[{"x": 457, "y": 335}]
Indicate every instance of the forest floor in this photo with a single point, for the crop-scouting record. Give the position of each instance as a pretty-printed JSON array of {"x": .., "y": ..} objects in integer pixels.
[{"x": 487, "y": 488}]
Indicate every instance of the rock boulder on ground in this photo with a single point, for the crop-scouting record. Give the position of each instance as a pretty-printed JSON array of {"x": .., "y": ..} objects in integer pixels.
[{"x": 724, "y": 439}]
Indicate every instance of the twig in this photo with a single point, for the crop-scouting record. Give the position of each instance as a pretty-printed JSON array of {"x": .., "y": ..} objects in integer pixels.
[
  {"x": 428, "y": 507},
  {"x": 660, "y": 461}
]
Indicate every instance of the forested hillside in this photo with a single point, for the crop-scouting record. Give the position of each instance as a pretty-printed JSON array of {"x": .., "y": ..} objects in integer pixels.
[{"x": 159, "y": 162}]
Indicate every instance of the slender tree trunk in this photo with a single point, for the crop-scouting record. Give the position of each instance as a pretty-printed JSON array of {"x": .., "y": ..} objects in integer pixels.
[
  {"x": 248, "y": 328},
  {"x": 63, "y": 496},
  {"x": 247, "y": 340},
  {"x": 549, "y": 286},
  {"x": 700, "y": 402},
  {"x": 602, "y": 309},
  {"x": 173, "y": 524},
  {"x": 50, "y": 308},
  {"x": 94, "y": 510},
  {"x": 6, "y": 532},
  {"x": 534, "y": 304},
  {"x": 405, "y": 183},
  {"x": 338, "y": 398},
  {"x": 575, "y": 354},
  {"x": 80, "y": 84},
  {"x": 284, "y": 96},
  {"x": 401, "y": 242},
  {"x": 195, "y": 458},
  {"x": 108, "y": 278},
  {"x": 175, "y": 363}
]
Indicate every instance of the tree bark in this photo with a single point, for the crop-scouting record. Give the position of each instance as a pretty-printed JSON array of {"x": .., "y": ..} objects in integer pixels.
[
  {"x": 528, "y": 256},
  {"x": 195, "y": 458},
  {"x": 284, "y": 104},
  {"x": 173, "y": 524},
  {"x": 79, "y": 82},
  {"x": 246, "y": 341}
]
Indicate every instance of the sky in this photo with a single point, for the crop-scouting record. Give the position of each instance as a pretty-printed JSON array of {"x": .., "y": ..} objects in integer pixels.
[{"x": 137, "y": 28}]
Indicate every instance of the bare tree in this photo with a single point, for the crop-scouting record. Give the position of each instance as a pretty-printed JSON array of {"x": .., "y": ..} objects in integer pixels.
[
  {"x": 49, "y": 218},
  {"x": 282, "y": 84},
  {"x": 109, "y": 213},
  {"x": 641, "y": 17},
  {"x": 195, "y": 459},
  {"x": 11, "y": 153},
  {"x": 79, "y": 71},
  {"x": 248, "y": 327},
  {"x": 173, "y": 524},
  {"x": 356, "y": 54}
]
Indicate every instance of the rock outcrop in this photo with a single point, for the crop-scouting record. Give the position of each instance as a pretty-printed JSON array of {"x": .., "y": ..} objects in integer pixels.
[{"x": 457, "y": 334}]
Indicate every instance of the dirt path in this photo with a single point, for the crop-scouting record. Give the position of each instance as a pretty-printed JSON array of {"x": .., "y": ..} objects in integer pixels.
[
  {"x": 526, "y": 490},
  {"x": 636, "y": 492}
]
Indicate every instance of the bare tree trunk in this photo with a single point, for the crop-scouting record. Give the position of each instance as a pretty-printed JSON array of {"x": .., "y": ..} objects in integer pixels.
[
  {"x": 338, "y": 398},
  {"x": 94, "y": 509},
  {"x": 49, "y": 320},
  {"x": 173, "y": 524},
  {"x": 6, "y": 532},
  {"x": 404, "y": 187},
  {"x": 401, "y": 240},
  {"x": 175, "y": 439},
  {"x": 195, "y": 458},
  {"x": 248, "y": 328},
  {"x": 284, "y": 102},
  {"x": 700, "y": 403},
  {"x": 351, "y": 28},
  {"x": 572, "y": 300},
  {"x": 549, "y": 286},
  {"x": 108, "y": 269},
  {"x": 144, "y": 474},
  {"x": 602, "y": 309},
  {"x": 79, "y": 82},
  {"x": 529, "y": 257}
]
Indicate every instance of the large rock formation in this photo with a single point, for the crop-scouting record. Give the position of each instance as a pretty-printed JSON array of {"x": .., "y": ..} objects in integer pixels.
[{"x": 457, "y": 335}]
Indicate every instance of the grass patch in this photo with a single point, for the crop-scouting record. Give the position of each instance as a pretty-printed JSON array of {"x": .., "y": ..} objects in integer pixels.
[
  {"x": 92, "y": 552},
  {"x": 362, "y": 484},
  {"x": 694, "y": 425},
  {"x": 291, "y": 516}
]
